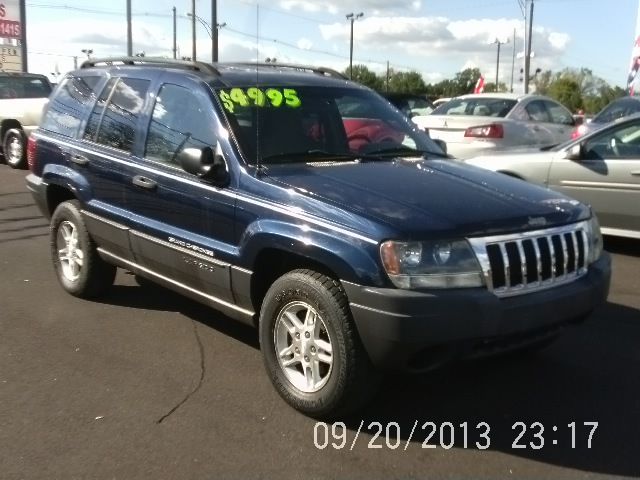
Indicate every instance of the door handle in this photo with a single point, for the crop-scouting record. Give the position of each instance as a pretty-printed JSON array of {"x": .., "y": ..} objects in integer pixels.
[
  {"x": 144, "y": 182},
  {"x": 79, "y": 159},
  {"x": 636, "y": 173}
]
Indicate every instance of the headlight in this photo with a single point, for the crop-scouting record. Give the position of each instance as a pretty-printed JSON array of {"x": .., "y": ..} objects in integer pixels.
[
  {"x": 434, "y": 264},
  {"x": 595, "y": 239}
]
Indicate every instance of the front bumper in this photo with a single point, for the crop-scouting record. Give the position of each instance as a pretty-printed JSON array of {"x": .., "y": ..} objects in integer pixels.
[
  {"x": 405, "y": 330},
  {"x": 38, "y": 191}
]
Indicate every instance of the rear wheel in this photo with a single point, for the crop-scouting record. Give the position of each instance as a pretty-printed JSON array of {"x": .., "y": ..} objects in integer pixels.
[
  {"x": 13, "y": 146},
  {"x": 79, "y": 268},
  {"x": 312, "y": 351}
]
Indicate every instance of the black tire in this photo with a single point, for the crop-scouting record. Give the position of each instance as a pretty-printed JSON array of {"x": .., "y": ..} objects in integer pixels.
[
  {"x": 94, "y": 277},
  {"x": 14, "y": 148},
  {"x": 351, "y": 380}
]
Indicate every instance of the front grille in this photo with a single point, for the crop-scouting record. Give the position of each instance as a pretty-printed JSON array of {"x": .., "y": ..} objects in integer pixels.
[{"x": 530, "y": 261}]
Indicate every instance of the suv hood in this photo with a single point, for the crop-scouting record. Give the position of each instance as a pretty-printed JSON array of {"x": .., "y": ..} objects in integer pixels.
[{"x": 430, "y": 198}]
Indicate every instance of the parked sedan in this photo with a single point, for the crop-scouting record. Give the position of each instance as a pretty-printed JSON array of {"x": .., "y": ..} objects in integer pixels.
[
  {"x": 601, "y": 169},
  {"x": 477, "y": 124}
]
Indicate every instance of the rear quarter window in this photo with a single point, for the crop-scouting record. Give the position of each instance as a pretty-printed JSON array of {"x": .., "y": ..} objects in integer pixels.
[{"x": 67, "y": 106}]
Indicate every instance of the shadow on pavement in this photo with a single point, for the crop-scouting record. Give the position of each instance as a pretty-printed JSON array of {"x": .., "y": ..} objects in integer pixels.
[
  {"x": 589, "y": 375},
  {"x": 154, "y": 297},
  {"x": 622, "y": 246}
]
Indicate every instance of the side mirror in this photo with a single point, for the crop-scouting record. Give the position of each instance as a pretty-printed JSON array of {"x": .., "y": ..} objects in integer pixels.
[
  {"x": 574, "y": 153},
  {"x": 441, "y": 143},
  {"x": 205, "y": 164}
]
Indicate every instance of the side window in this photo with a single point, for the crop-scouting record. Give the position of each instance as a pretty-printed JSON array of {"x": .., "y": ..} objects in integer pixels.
[
  {"x": 66, "y": 108},
  {"x": 538, "y": 112},
  {"x": 91, "y": 130},
  {"x": 559, "y": 114},
  {"x": 618, "y": 143},
  {"x": 117, "y": 127},
  {"x": 179, "y": 121}
]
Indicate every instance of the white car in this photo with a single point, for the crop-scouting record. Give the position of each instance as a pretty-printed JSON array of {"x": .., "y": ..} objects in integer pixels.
[
  {"x": 477, "y": 124},
  {"x": 22, "y": 98},
  {"x": 601, "y": 169}
]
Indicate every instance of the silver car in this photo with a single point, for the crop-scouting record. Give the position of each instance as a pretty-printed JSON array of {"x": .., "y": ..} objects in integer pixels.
[
  {"x": 601, "y": 169},
  {"x": 482, "y": 123}
]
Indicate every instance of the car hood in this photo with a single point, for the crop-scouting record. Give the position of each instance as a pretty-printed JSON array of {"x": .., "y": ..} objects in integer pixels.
[{"x": 430, "y": 198}]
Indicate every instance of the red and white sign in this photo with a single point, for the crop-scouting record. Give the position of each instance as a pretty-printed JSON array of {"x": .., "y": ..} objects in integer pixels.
[
  {"x": 10, "y": 26},
  {"x": 479, "y": 85}
]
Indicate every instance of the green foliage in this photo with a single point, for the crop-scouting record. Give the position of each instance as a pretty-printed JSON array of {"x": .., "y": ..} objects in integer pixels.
[
  {"x": 406, "y": 82},
  {"x": 363, "y": 75},
  {"x": 567, "y": 91},
  {"x": 577, "y": 89}
]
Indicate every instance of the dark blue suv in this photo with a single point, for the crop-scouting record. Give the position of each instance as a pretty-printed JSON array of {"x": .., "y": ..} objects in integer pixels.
[{"x": 292, "y": 199}]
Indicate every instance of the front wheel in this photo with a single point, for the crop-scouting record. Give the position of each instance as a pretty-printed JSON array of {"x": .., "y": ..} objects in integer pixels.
[
  {"x": 312, "y": 351},
  {"x": 77, "y": 264},
  {"x": 13, "y": 146}
]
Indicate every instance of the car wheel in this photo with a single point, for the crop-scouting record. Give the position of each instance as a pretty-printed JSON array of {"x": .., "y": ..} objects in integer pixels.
[
  {"x": 311, "y": 349},
  {"x": 77, "y": 264},
  {"x": 14, "y": 150}
]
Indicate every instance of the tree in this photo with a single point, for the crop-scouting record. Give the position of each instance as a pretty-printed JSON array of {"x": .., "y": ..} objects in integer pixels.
[
  {"x": 406, "y": 82},
  {"x": 366, "y": 77},
  {"x": 567, "y": 91},
  {"x": 465, "y": 81}
]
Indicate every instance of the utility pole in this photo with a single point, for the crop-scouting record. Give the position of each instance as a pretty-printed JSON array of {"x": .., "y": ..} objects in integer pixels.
[
  {"x": 23, "y": 35},
  {"x": 352, "y": 17},
  {"x": 129, "y": 34},
  {"x": 75, "y": 62},
  {"x": 193, "y": 30},
  {"x": 388, "y": 75},
  {"x": 527, "y": 54},
  {"x": 214, "y": 31},
  {"x": 175, "y": 42},
  {"x": 499, "y": 43},
  {"x": 513, "y": 58}
]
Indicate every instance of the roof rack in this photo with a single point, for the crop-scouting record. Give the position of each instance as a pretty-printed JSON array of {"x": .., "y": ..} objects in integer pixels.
[
  {"x": 159, "y": 61},
  {"x": 319, "y": 70}
]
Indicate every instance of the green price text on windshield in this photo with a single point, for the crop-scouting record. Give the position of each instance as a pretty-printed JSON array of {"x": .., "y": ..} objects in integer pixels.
[{"x": 256, "y": 97}]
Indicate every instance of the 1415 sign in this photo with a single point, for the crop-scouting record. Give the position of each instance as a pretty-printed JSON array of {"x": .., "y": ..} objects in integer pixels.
[{"x": 10, "y": 25}]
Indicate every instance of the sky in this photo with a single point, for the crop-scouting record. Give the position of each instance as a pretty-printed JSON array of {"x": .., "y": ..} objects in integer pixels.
[{"x": 434, "y": 37}]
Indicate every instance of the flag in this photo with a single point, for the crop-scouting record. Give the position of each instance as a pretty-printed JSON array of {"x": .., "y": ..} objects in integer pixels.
[
  {"x": 479, "y": 85},
  {"x": 635, "y": 60}
]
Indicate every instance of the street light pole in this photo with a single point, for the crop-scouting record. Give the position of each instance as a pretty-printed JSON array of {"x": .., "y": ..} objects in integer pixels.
[
  {"x": 193, "y": 30},
  {"x": 352, "y": 17},
  {"x": 499, "y": 43},
  {"x": 527, "y": 53},
  {"x": 175, "y": 41},
  {"x": 214, "y": 31},
  {"x": 129, "y": 32}
]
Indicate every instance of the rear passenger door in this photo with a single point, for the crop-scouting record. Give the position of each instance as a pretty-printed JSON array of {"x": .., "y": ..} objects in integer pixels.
[
  {"x": 539, "y": 123},
  {"x": 561, "y": 119},
  {"x": 104, "y": 151},
  {"x": 180, "y": 225}
]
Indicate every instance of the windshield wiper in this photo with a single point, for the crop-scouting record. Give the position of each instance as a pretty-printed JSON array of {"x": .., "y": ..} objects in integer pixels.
[
  {"x": 402, "y": 151},
  {"x": 309, "y": 155}
]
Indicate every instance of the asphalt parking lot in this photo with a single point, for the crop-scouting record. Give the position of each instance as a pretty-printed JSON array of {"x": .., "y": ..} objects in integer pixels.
[{"x": 146, "y": 384}]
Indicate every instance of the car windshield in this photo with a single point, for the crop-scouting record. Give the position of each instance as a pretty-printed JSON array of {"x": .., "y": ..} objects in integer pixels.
[
  {"x": 477, "y": 106},
  {"x": 23, "y": 87},
  {"x": 287, "y": 124}
]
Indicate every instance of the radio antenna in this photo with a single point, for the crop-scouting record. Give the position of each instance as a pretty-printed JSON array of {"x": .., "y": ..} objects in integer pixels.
[{"x": 257, "y": 110}]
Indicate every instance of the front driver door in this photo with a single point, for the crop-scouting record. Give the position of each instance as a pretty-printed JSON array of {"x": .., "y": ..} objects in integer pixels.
[
  {"x": 607, "y": 177},
  {"x": 181, "y": 226}
]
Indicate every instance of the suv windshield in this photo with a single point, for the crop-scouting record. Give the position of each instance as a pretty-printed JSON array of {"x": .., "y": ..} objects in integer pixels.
[
  {"x": 278, "y": 124},
  {"x": 24, "y": 87}
]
